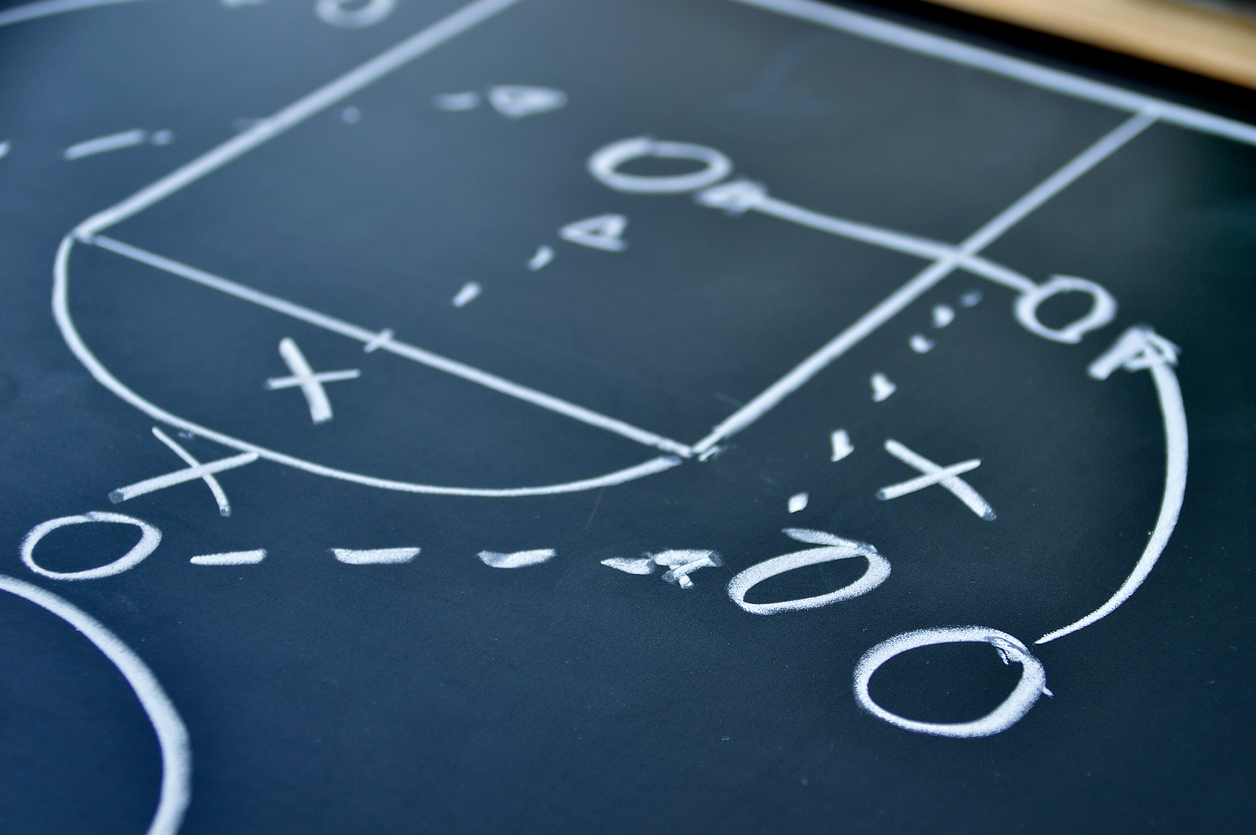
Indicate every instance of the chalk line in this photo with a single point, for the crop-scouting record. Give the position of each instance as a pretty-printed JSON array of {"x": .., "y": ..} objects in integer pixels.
[
  {"x": 231, "y": 558},
  {"x": 393, "y": 346},
  {"x": 46, "y": 8},
  {"x": 172, "y": 734},
  {"x": 102, "y": 144},
  {"x": 1159, "y": 360},
  {"x": 375, "y": 556},
  {"x": 927, "y": 279},
  {"x": 61, "y": 314},
  {"x": 294, "y": 114}
]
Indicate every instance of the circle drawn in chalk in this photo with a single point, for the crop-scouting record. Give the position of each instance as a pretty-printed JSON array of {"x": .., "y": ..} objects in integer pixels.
[
  {"x": 150, "y": 538},
  {"x": 835, "y": 548},
  {"x": 604, "y": 166},
  {"x": 1032, "y": 684}
]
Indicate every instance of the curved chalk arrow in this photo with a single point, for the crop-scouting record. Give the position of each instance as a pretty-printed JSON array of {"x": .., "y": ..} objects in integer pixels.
[{"x": 1137, "y": 349}]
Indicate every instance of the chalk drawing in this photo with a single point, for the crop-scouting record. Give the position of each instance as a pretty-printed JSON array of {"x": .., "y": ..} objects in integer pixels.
[
  {"x": 832, "y": 548},
  {"x": 642, "y": 566},
  {"x": 543, "y": 256},
  {"x": 231, "y": 558},
  {"x": 350, "y": 115},
  {"x": 604, "y": 165},
  {"x": 839, "y": 441},
  {"x": 172, "y": 734},
  {"x": 311, "y": 384},
  {"x": 683, "y": 563},
  {"x": 943, "y": 315},
  {"x": 375, "y": 556},
  {"x": 150, "y": 538},
  {"x": 45, "y": 8},
  {"x": 797, "y": 502},
  {"x": 376, "y": 342},
  {"x": 882, "y": 387},
  {"x": 519, "y": 559},
  {"x": 946, "y": 259},
  {"x": 1102, "y": 309},
  {"x": 515, "y": 101},
  {"x": 195, "y": 470},
  {"x": 1032, "y": 684},
  {"x": 602, "y": 232},
  {"x": 456, "y": 102},
  {"x": 947, "y": 477},
  {"x": 921, "y": 344},
  {"x": 1140, "y": 348},
  {"x": 469, "y": 292},
  {"x": 103, "y": 144},
  {"x": 330, "y": 323},
  {"x": 4, "y": 148},
  {"x": 971, "y": 299},
  {"x": 351, "y": 14}
]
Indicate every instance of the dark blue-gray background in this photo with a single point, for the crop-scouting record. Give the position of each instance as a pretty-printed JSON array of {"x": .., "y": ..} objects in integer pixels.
[{"x": 443, "y": 695}]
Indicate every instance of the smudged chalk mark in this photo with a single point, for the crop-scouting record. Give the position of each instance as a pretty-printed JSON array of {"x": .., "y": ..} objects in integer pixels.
[
  {"x": 921, "y": 344},
  {"x": 882, "y": 388},
  {"x": 602, "y": 232},
  {"x": 682, "y": 563},
  {"x": 376, "y": 556},
  {"x": 642, "y": 566},
  {"x": 519, "y": 559},
  {"x": 840, "y": 441},
  {"x": 943, "y": 315},
  {"x": 543, "y": 256},
  {"x": 231, "y": 558},
  {"x": 350, "y": 115},
  {"x": 971, "y": 299},
  {"x": 468, "y": 293},
  {"x": 457, "y": 101},
  {"x": 515, "y": 102}
]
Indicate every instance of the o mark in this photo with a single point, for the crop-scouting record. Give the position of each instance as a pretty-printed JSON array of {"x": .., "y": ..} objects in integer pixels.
[
  {"x": 1032, "y": 684},
  {"x": 1102, "y": 309},
  {"x": 604, "y": 166},
  {"x": 835, "y": 548},
  {"x": 150, "y": 538}
]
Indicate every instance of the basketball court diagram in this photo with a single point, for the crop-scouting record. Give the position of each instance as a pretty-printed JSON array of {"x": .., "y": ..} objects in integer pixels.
[{"x": 487, "y": 280}]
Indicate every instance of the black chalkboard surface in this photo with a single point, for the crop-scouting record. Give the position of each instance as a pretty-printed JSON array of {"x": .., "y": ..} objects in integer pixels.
[{"x": 618, "y": 416}]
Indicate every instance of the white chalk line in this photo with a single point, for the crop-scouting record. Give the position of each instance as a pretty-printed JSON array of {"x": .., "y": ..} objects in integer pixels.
[
  {"x": 102, "y": 144},
  {"x": 231, "y": 558},
  {"x": 1173, "y": 411},
  {"x": 294, "y": 114},
  {"x": 47, "y": 8},
  {"x": 394, "y": 346},
  {"x": 220, "y": 495},
  {"x": 172, "y": 734},
  {"x": 61, "y": 314},
  {"x": 1036, "y": 75},
  {"x": 375, "y": 556},
  {"x": 927, "y": 279}
]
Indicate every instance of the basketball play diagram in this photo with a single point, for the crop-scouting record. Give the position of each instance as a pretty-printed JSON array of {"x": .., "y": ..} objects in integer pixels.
[{"x": 580, "y": 358}]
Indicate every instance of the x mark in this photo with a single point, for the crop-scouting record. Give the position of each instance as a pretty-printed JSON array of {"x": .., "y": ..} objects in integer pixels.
[
  {"x": 947, "y": 477},
  {"x": 195, "y": 470},
  {"x": 311, "y": 384}
]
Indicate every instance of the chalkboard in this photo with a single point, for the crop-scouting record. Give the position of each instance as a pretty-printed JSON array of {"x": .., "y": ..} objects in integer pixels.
[{"x": 618, "y": 416}]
